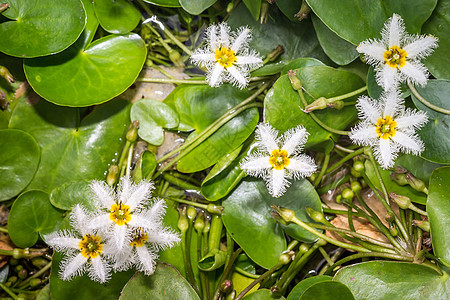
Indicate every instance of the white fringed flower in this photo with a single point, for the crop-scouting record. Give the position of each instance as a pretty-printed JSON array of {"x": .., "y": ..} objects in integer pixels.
[
  {"x": 86, "y": 251},
  {"x": 388, "y": 127},
  {"x": 277, "y": 164},
  {"x": 226, "y": 56},
  {"x": 121, "y": 214},
  {"x": 142, "y": 251},
  {"x": 396, "y": 57}
]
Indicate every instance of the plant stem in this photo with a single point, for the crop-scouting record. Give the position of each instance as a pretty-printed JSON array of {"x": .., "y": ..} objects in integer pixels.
[
  {"x": 180, "y": 182},
  {"x": 245, "y": 273},
  {"x": 378, "y": 174},
  {"x": 342, "y": 148},
  {"x": 226, "y": 271},
  {"x": 348, "y": 95},
  {"x": 425, "y": 102},
  {"x": 8, "y": 291},
  {"x": 343, "y": 160},
  {"x": 258, "y": 280},
  {"x": 325, "y": 255},
  {"x": 322, "y": 171},
  {"x": 35, "y": 275},
  {"x": 186, "y": 240},
  {"x": 3, "y": 230}
]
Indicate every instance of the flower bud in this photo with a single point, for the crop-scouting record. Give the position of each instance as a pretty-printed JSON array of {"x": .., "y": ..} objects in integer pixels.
[
  {"x": 303, "y": 12},
  {"x": 320, "y": 103},
  {"x": 13, "y": 261},
  {"x": 321, "y": 242},
  {"x": 399, "y": 178},
  {"x": 287, "y": 214},
  {"x": 207, "y": 224},
  {"x": 303, "y": 248},
  {"x": 393, "y": 231},
  {"x": 264, "y": 12},
  {"x": 416, "y": 183},
  {"x": 214, "y": 209},
  {"x": 355, "y": 173},
  {"x": 35, "y": 282},
  {"x": 278, "y": 218},
  {"x": 226, "y": 286},
  {"x": 4, "y": 72},
  {"x": 113, "y": 175},
  {"x": 337, "y": 104},
  {"x": 316, "y": 216},
  {"x": 286, "y": 257},
  {"x": 348, "y": 194},
  {"x": 389, "y": 218},
  {"x": 295, "y": 81},
  {"x": 191, "y": 213},
  {"x": 400, "y": 170},
  {"x": 12, "y": 279},
  {"x": 363, "y": 183},
  {"x": 183, "y": 223},
  {"x": 21, "y": 253},
  {"x": 358, "y": 166},
  {"x": 272, "y": 56},
  {"x": 402, "y": 201},
  {"x": 22, "y": 274},
  {"x": 338, "y": 199},
  {"x": 230, "y": 7},
  {"x": 132, "y": 132},
  {"x": 424, "y": 225},
  {"x": 356, "y": 186},
  {"x": 199, "y": 223},
  {"x": 39, "y": 262},
  {"x": 149, "y": 62}
]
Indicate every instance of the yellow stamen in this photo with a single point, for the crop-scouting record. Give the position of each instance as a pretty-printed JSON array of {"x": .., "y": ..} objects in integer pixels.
[
  {"x": 120, "y": 214},
  {"x": 91, "y": 246},
  {"x": 386, "y": 127},
  {"x": 139, "y": 239},
  {"x": 395, "y": 57},
  {"x": 279, "y": 159},
  {"x": 225, "y": 56}
]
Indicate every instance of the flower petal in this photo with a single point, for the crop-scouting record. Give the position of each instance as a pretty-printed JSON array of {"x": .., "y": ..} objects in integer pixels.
[
  {"x": 388, "y": 78},
  {"x": 368, "y": 110},
  {"x": 373, "y": 51},
  {"x": 421, "y": 46},
  {"x": 103, "y": 193},
  {"x": 238, "y": 78},
  {"x": 412, "y": 119},
  {"x": 364, "y": 134},
  {"x": 391, "y": 103},
  {"x": 415, "y": 73},
  {"x": 99, "y": 221},
  {"x": 62, "y": 240},
  {"x": 141, "y": 221},
  {"x": 224, "y": 35},
  {"x": 277, "y": 182},
  {"x": 147, "y": 260},
  {"x": 202, "y": 59},
  {"x": 72, "y": 266},
  {"x": 163, "y": 238},
  {"x": 124, "y": 259},
  {"x": 385, "y": 153},
  {"x": 212, "y": 37},
  {"x": 409, "y": 143},
  {"x": 141, "y": 193},
  {"x": 256, "y": 165},
  {"x": 242, "y": 39},
  {"x": 266, "y": 136},
  {"x": 121, "y": 235},
  {"x": 301, "y": 166},
  {"x": 394, "y": 31},
  {"x": 214, "y": 77},
  {"x": 251, "y": 60},
  {"x": 294, "y": 139},
  {"x": 99, "y": 270}
]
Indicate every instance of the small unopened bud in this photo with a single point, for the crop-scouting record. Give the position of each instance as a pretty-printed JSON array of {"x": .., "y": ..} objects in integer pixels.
[
  {"x": 230, "y": 7},
  {"x": 303, "y": 12},
  {"x": 113, "y": 175},
  {"x": 20, "y": 253},
  {"x": 132, "y": 132},
  {"x": 424, "y": 225},
  {"x": 191, "y": 213},
  {"x": 22, "y": 274},
  {"x": 355, "y": 173},
  {"x": 358, "y": 166},
  {"x": 363, "y": 183},
  {"x": 226, "y": 286},
  {"x": 287, "y": 214},
  {"x": 272, "y": 56},
  {"x": 13, "y": 279},
  {"x": 286, "y": 257},
  {"x": 399, "y": 178},
  {"x": 13, "y": 261},
  {"x": 207, "y": 224},
  {"x": 35, "y": 282},
  {"x": 316, "y": 216},
  {"x": 348, "y": 194},
  {"x": 313, "y": 177},
  {"x": 39, "y": 262},
  {"x": 214, "y": 209},
  {"x": 149, "y": 62},
  {"x": 264, "y": 12},
  {"x": 303, "y": 248},
  {"x": 337, "y": 104},
  {"x": 321, "y": 242},
  {"x": 278, "y": 218},
  {"x": 402, "y": 201},
  {"x": 389, "y": 218},
  {"x": 338, "y": 199},
  {"x": 416, "y": 183},
  {"x": 199, "y": 223},
  {"x": 183, "y": 222},
  {"x": 356, "y": 186},
  {"x": 175, "y": 57},
  {"x": 400, "y": 170},
  {"x": 393, "y": 231},
  {"x": 295, "y": 81},
  {"x": 320, "y": 103},
  {"x": 4, "y": 72}
]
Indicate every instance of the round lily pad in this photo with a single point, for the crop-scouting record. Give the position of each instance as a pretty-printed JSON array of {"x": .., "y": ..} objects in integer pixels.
[{"x": 117, "y": 16}]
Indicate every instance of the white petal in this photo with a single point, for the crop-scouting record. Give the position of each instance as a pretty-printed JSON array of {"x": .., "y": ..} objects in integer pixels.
[
  {"x": 391, "y": 103},
  {"x": 238, "y": 77},
  {"x": 373, "y": 51},
  {"x": 214, "y": 77},
  {"x": 202, "y": 58},
  {"x": 79, "y": 219},
  {"x": 103, "y": 193},
  {"x": 124, "y": 259},
  {"x": 126, "y": 189},
  {"x": 157, "y": 210},
  {"x": 301, "y": 166},
  {"x": 224, "y": 35},
  {"x": 364, "y": 134},
  {"x": 409, "y": 143},
  {"x": 412, "y": 119},
  {"x": 368, "y": 110},
  {"x": 294, "y": 139},
  {"x": 140, "y": 220},
  {"x": 256, "y": 165},
  {"x": 241, "y": 40},
  {"x": 140, "y": 195},
  {"x": 212, "y": 37},
  {"x": 121, "y": 235},
  {"x": 385, "y": 153},
  {"x": 278, "y": 182},
  {"x": 147, "y": 260},
  {"x": 421, "y": 47},
  {"x": 387, "y": 77},
  {"x": 99, "y": 270},
  {"x": 266, "y": 136},
  {"x": 248, "y": 60},
  {"x": 72, "y": 266},
  {"x": 100, "y": 222},
  {"x": 62, "y": 240},
  {"x": 394, "y": 31},
  {"x": 163, "y": 238},
  {"x": 415, "y": 72}
]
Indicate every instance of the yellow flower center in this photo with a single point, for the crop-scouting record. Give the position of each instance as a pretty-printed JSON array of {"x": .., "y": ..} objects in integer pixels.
[
  {"x": 279, "y": 159},
  {"x": 91, "y": 246},
  {"x": 395, "y": 57},
  {"x": 120, "y": 214},
  {"x": 225, "y": 56},
  {"x": 139, "y": 239},
  {"x": 385, "y": 127}
]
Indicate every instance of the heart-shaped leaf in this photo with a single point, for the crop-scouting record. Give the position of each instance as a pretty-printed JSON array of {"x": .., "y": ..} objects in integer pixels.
[
  {"x": 358, "y": 20},
  {"x": 83, "y": 77},
  {"x": 254, "y": 6},
  {"x": 72, "y": 149},
  {"x": 303, "y": 285},
  {"x": 438, "y": 209},
  {"x": 165, "y": 283},
  {"x": 388, "y": 280},
  {"x": 153, "y": 116},
  {"x": 198, "y": 107},
  {"x": 196, "y": 7},
  {"x": 262, "y": 294},
  {"x": 39, "y": 28},
  {"x": 327, "y": 290},
  {"x": 302, "y": 62},
  {"x": 436, "y": 133},
  {"x": 72, "y": 193},
  {"x": 16, "y": 171},
  {"x": 246, "y": 216},
  {"x": 281, "y": 105},
  {"x": 289, "y": 8},
  {"x": 117, "y": 16},
  {"x": 31, "y": 215}
]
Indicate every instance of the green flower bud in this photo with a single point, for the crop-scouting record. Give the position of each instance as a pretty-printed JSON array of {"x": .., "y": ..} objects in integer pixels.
[
  {"x": 226, "y": 286},
  {"x": 175, "y": 57},
  {"x": 35, "y": 282},
  {"x": 286, "y": 257},
  {"x": 399, "y": 178},
  {"x": 264, "y": 12},
  {"x": 416, "y": 183},
  {"x": 321, "y": 242},
  {"x": 358, "y": 166},
  {"x": 287, "y": 214},
  {"x": 348, "y": 194},
  {"x": 295, "y": 81},
  {"x": 272, "y": 56},
  {"x": 316, "y": 216},
  {"x": 394, "y": 231},
  {"x": 339, "y": 199},
  {"x": 363, "y": 183},
  {"x": 22, "y": 274},
  {"x": 356, "y": 186},
  {"x": 320, "y": 103},
  {"x": 214, "y": 209},
  {"x": 132, "y": 132},
  {"x": 402, "y": 201},
  {"x": 199, "y": 223},
  {"x": 12, "y": 279},
  {"x": 4, "y": 72},
  {"x": 21, "y": 253},
  {"x": 303, "y": 248},
  {"x": 13, "y": 261},
  {"x": 18, "y": 268},
  {"x": 337, "y": 104},
  {"x": 191, "y": 213},
  {"x": 113, "y": 175},
  {"x": 355, "y": 173},
  {"x": 230, "y": 7},
  {"x": 39, "y": 262},
  {"x": 303, "y": 12},
  {"x": 183, "y": 222},
  {"x": 424, "y": 225}
]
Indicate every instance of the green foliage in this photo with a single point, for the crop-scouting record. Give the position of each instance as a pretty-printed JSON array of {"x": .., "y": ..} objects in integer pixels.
[{"x": 117, "y": 16}]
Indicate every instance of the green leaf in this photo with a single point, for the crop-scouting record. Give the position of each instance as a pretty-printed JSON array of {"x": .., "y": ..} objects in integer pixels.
[
  {"x": 388, "y": 280},
  {"x": 145, "y": 166},
  {"x": 358, "y": 20},
  {"x": 38, "y": 28},
  {"x": 420, "y": 167},
  {"x": 31, "y": 215},
  {"x": 81, "y": 287},
  {"x": 72, "y": 193},
  {"x": 117, "y": 16},
  {"x": 165, "y": 3},
  {"x": 301, "y": 63},
  {"x": 438, "y": 25},
  {"x": 200, "y": 106},
  {"x": 281, "y": 105},
  {"x": 327, "y": 290},
  {"x": 438, "y": 210},
  {"x": 297, "y": 39},
  {"x": 165, "y": 283},
  {"x": 289, "y": 8},
  {"x": 72, "y": 149},
  {"x": 303, "y": 285},
  {"x": 153, "y": 116},
  {"x": 262, "y": 294},
  {"x": 44, "y": 293},
  {"x": 83, "y": 77},
  {"x": 269, "y": 69},
  {"x": 246, "y": 216},
  {"x": 19, "y": 161},
  {"x": 338, "y": 50},
  {"x": 254, "y": 6},
  {"x": 196, "y": 7},
  {"x": 436, "y": 133}
]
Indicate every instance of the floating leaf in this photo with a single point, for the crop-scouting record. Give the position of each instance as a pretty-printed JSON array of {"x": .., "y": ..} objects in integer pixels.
[
  {"x": 262, "y": 294},
  {"x": 303, "y": 285},
  {"x": 31, "y": 215},
  {"x": 16, "y": 171},
  {"x": 72, "y": 193},
  {"x": 289, "y": 8},
  {"x": 117, "y": 16},
  {"x": 195, "y": 7},
  {"x": 38, "y": 28},
  {"x": 302, "y": 62},
  {"x": 165, "y": 3},
  {"x": 327, "y": 290},
  {"x": 254, "y": 6},
  {"x": 72, "y": 149}
]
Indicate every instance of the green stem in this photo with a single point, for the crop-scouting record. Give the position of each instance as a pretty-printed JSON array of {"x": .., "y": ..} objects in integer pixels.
[
  {"x": 350, "y": 219},
  {"x": 226, "y": 272},
  {"x": 123, "y": 155},
  {"x": 258, "y": 280},
  {"x": 35, "y": 275},
  {"x": 180, "y": 182},
  {"x": 8, "y": 291},
  {"x": 342, "y": 148},
  {"x": 425, "y": 102},
  {"x": 335, "y": 256},
  {"x": 215, "y": 233},
  {"x": 245, "y": 273},
  {"x": 417, "y": 210},
  {"x": 177, "y": 41},
  {"x": 343, "y": 160},
  {"x": 348, "y": 95},
  {"x": 3, "y": 230},
  {"x": 340, "y": 212},
  {"x": 186, "y": 241},
  {"x": 322, "y": 171},
  {"x": 130, "y": 158},
  {"x": 378, "y": 174},
  {"x": 325, "y": 255}
]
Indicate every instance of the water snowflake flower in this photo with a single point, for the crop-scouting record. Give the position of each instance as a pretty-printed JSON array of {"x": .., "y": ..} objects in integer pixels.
[
  {"x": 120, "y": 214},
  {"x": 277, "y": 164},
  {"x": 388, "y": 127},
  {"x": 226, "y": 56},
  {"x": 86, "y": 250},
  {"x": 142, "y": 251},
  {"x": 396, "y": 57}
]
